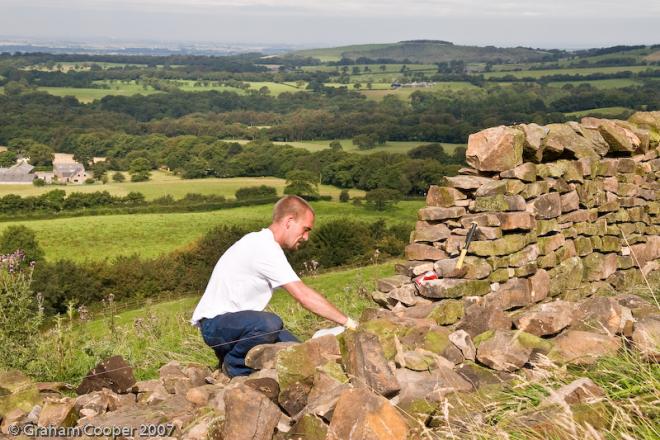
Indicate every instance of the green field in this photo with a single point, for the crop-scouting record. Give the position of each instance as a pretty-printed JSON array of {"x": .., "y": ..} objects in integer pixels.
[
  {"x": 163, "y": 183},
  {"x": 149, "y": 235},
  {"x": 348, "y": 145},
  {"x": 87, "y": 95},
  {"x": 129, "y": 88},
  {"x": 571, "y": 71},
  {"x": 614, "y": 83},
  {"x": 335, "y": 53},
  {"x": 441, "y": 88},
  {"x": 603, "y": 111}
]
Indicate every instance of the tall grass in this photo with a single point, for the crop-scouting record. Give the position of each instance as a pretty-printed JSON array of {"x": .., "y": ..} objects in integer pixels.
[{"x": 154, "y": 334}]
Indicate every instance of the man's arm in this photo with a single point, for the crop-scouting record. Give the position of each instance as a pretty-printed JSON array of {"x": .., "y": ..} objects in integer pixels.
[{"x": 315, "y": 302}]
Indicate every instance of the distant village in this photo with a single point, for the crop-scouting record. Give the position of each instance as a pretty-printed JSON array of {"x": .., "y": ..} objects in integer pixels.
[{"x": 65, "y": 171}]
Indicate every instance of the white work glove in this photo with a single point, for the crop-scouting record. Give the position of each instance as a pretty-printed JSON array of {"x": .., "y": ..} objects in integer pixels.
[{"x": 351, "y": 324}]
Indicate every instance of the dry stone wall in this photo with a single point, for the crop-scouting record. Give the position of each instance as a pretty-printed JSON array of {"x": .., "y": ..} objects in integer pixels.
[{"x": 563, "y": 210}]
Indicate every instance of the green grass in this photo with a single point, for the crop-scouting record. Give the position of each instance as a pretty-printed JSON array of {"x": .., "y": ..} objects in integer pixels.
[
  {"x": 441, "y": 88},
  {"x": 615, "y": 83},
  {"x": 570, "y": 71},
  {"x": 121, "y": 88},
  {"x": 375, "y": 68},
  {"x": 603, "y": 111},
  {"x": 150, "y": 335},
  {"x": 86, "y": 95},
  {"x": 163, "y": 183},
  {"x": 335, "y": 53},
  {"x": 150, "y": 235},
  {"x": 348, "y": 145}
]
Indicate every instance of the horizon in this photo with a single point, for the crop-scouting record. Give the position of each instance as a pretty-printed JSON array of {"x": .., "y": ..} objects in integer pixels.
[{"x": 314, "y": 24}]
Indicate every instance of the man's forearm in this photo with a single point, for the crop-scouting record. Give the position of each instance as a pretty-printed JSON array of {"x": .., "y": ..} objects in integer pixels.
[{"x": 315, "y": 302}]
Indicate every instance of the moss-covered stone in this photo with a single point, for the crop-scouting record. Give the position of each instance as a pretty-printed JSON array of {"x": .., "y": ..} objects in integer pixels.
[
  {"x": 526, "y": 270},
  {"x": 443, "y": 196},
  {"x": 420, "y": 409},
  {"x": 598, "y": 227},
  {"x": 544, "y": 227},
  {"x": 295, "y": 364},
  {"x": 334, "y": 370},
  {"x": 483, "y": 337},
  {"x": 537, "y": 344},
  {"x": 498, "y": 262},
  {"x": 447, "y": 312},
  {"x": 583, "y": 246},
  {"x": 17, "y": 391},
  {"x": 535, "y": 189},
  {"x": 436, "y": 340},
  {"x": 386, "y": 331},
  {"x": 309, "y": 427},
  {"x": 550, "y": 243},
  {"x": 500, "y": 275},
  {"x": 571, "y": 171},
  {"x": 514, "y": 186},
  {"x": 502, "y": 246},
  {"x": 491, "y": 203},
  {"x": 609, "y": 243},
  {"x": 566, "y": 276},
  {"x": 547, "y": 261},
  {"x": 620, "y": 216}
]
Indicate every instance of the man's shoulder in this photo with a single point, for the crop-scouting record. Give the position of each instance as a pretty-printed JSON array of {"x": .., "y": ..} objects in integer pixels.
[{"x": 257, "y": 240}]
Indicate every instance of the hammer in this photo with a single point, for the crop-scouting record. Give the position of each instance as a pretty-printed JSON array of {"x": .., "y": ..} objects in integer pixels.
[{"x": 468, "y": 240}]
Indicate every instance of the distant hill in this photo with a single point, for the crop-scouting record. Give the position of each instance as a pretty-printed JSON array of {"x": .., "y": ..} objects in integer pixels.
[{"x": 431, "y": 51}]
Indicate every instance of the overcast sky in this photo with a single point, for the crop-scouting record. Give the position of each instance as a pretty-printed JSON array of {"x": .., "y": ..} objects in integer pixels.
[{"x": 536, "y": 23}]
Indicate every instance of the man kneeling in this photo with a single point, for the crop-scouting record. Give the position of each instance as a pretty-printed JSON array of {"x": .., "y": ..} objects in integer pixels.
[{"x": 230, "y": 313}]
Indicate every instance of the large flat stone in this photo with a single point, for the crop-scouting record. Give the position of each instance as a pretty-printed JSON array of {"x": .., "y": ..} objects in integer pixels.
[
  {"x": 495, "y": 149},
  {"x": 366, "y": 364},
  {"x": 249, "y": 414},
  {"x": 374, "y": 418},
  {"x": 546, "y": 319},
  {"x": 583, "y": 348}
]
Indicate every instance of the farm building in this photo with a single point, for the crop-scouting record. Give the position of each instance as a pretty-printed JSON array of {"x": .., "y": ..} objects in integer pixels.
[
  {"x": 69, "y": 172},
  {"x": 19, "y": 173},
  {"x": 46, "y": 176}
]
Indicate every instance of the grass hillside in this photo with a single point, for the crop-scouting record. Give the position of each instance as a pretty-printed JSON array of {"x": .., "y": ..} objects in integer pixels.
[
  {"x": 149, "y": 335},
  {"x": 150, "y": 235},
  {"x": 426, "y": 51}
]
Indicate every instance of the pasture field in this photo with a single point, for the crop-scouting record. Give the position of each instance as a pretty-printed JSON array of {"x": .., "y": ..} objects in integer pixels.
[
  {"x": 614, "y": 83},
  {"x": 150, "y": 235},
  {"x": 441, "y": 88},
  {"x": 164, "y": 183},
  {"x": 374, "y": 68},
  {"x": 124, "y": 88},
  {"x": 274, "y": 87},
  {"x": 87, "y": 95},
  {"x": 604, "y": 111},
  {"x": 348, "y": 145},
  {"x": 571, "y": 71},
  {"x": 80, "y": 66},
  {"x": 334, "y": 53}
]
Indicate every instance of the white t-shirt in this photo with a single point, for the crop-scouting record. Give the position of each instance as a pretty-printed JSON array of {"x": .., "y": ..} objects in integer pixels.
[{"x": 245, "y": 276}]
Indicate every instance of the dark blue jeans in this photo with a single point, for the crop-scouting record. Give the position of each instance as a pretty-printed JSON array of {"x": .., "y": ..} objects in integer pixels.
[{"x": 232, "y": 335}]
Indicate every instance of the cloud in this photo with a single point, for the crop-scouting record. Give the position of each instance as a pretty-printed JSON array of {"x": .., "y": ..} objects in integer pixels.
[{"x": 370, "y": 8}]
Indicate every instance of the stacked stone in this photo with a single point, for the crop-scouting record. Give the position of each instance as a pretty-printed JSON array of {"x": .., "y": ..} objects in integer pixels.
[{"x": 561, "y": 210}]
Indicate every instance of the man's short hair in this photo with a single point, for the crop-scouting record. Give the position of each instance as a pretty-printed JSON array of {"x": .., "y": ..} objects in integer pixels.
[{"x": 290, "y": 205}]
